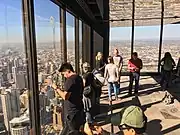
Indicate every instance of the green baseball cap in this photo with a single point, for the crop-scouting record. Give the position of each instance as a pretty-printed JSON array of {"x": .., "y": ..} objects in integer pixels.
[{"x": 132, "y": 116}]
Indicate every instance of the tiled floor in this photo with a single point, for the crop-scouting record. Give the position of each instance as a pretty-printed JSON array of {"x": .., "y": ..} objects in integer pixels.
[{"x": 162, "y": 119}]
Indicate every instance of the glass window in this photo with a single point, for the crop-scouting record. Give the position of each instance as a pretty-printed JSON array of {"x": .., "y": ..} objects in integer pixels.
[
  {"x": 49, "y": 57},
  {"x": 146, "y": 44},
  {"x": 98, "y": 44},
  {"x": 70, "y": 29},
  {"x": 120, "y": 38},
  {"x": 13, "y": 74},
  {"x": 171, "y": 41}
]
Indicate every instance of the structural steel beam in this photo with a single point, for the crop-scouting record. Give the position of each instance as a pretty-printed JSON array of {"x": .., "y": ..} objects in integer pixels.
[
  {"x": 77, "y": 44},
  {"x": 63, "y": 34},
  {"x": 161, "y": 35},
  {"x": 132, "y": 36}
]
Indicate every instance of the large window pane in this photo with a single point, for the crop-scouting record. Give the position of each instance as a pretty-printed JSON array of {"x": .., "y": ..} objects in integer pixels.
[
  {"x": 171, "y": 41},
  {"x": 49, "y": 58},
  {"x": 146, "y": 44},
  {"x": 70, "y": 28},
  {"x": 120, "y": 38},
  {"x": 14, "y": 105},
  {"x": 98, "y": 44}
]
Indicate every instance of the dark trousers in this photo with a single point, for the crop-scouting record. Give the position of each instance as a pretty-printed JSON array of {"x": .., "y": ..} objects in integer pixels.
[
  {"x": 134, "y": 76},
  {"x": 165, "y": 79},
  {"x": 73, "y": 122}
]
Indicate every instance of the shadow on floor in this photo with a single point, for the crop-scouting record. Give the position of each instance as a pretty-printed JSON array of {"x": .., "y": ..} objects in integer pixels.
[
  {"x": 168, "y": 130},
  {"x": 154, "y": 127},
  {"x": 174, "y": 89},
  {"x": 144, "y": 89}
]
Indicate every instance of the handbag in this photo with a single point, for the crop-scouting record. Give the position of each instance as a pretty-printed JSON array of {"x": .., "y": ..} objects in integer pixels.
[{"x": 87, "y": 91}]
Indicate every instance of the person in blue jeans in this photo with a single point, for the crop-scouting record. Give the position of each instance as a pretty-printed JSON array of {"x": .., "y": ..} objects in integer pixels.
[
  {"x": 134, "y": 66},
  {"x": 112, "y": 75}
]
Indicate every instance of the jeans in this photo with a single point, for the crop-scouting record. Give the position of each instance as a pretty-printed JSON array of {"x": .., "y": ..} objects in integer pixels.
[
  {"x": 73, "y": 122},
  {"x": 113, "y": 86},
  {"x": 134, "y": 76},
  {"x": 165, "y": 79}
]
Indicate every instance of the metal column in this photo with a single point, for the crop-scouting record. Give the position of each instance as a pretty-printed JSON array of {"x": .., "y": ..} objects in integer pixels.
[
  {"x": 63, "y": 34},
  {"x": 132, "y": 36},
  {"x": 32, "y": 72},
  {"x": 92, "y": 59},
  {"x": 161, "y": 35},
  {"x": 77, "y": 45}
]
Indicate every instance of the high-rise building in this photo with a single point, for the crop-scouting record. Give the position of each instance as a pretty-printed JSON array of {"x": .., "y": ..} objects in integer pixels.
[
  {"x": 24, "y": 99},
  {"x": 16, "y": 62},
  {"x": 42, "y": 103},
  {"x": 6, "y": 107},
  {"x": 20, "y": 81},
  {"x": 14, "y": 73},
  {"x": 19, "y": 130},
  {"x": 10, "y": 105},
  {"x": 20, "y": 125},
  {"x": 9, "y": 66}
]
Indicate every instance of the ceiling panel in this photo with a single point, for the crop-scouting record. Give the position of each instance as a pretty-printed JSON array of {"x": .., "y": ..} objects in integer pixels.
[{"x": 121, "y": 12}]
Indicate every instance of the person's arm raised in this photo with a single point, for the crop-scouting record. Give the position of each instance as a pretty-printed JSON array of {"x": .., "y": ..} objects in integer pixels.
[{"x": 64, "y": 94}]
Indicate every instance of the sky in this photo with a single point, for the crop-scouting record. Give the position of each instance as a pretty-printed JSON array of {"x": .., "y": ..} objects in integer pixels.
[{"x": 11, "y": 29}]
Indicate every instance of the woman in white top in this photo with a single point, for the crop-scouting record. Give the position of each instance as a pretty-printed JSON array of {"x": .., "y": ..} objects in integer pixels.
[{"x": 112, "y": 75}]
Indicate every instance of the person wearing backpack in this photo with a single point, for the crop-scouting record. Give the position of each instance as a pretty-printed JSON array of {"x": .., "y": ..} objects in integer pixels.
[
  {"x": 89, "y": 95},
  {"x": 167, "y": 63}
]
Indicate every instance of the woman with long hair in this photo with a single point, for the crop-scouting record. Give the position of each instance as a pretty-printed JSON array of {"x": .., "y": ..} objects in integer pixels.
[
  {"x": 112, "y": 75},
  {"x": 167, "y": 64},
  {"x": 100, "y": 64}
]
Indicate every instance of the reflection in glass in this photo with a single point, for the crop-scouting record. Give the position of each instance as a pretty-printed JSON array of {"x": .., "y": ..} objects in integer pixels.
[
  {"x": 146, "y": 44},
  {"x": 49, "y": 57},
  {"x": 14, "y": 104},
  {"x": 70, "y": 28}
]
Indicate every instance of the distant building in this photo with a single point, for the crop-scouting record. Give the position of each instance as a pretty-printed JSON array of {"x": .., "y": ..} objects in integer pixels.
[
  {"x": 20, "y": 125},
  {"x": 19, "y": 130},
  {"x": 25, "y": 99},
  {"x": 10, "y": 105},
  {"x": 43, "y": 103},
  {"x": 9, "y": 66},
  {"x": 20, "y": 78},
  {"x": 16, "y": 62}
]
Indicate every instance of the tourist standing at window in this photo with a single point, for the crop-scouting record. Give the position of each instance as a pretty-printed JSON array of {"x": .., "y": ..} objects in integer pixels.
[
  {"x": 118, "y": 60},
  {"x": 112, "y": 75},
  {"x": 167, "y": 64},
  {"x": 100, "y": 64},
  {"x": 72, "y": 96},
  {"x": 134, "y": 66}
]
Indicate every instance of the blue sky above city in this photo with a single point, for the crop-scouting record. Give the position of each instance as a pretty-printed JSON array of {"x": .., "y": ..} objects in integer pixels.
[{"x": 11, "y": 24}]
